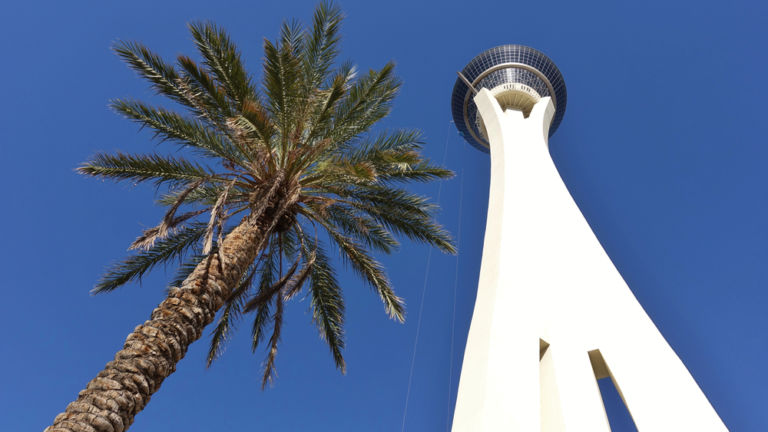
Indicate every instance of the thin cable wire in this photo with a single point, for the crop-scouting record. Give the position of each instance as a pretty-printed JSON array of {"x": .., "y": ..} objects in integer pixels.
[
  {"x": 423, "y": 294},
  {"x": 453, "y": 315}
]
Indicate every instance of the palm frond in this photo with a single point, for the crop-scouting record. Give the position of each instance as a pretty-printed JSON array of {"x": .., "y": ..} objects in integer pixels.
[
  {"x": 281, "y": 79},
  {"x": 229, "y": 317},
  {"x": 423, "y": 171},
  {"x": 163, "y": 251},
  {"x": 171, "y": 126},
  {"x": 328, "y": 306},
  {"x": 170, "y": 220},
  {"x": 164, "y": 78},
  {"x": 206, "y": 195},
  {"x": 417, "y": 227},
  {"x": 277, "y": 325},
  {"x": 203, "y": 89},
  {"x": 256, "y": 124},
  {"x": 359, "y": 226},
  {"x": 401, "y": 140},
  {"x": 266, "y": 295},
  {"x": 141, "y": 168},
  {"x": 169, "y": 223},
  {"x": 370, "y": 270},
  {"x": 296, "y": 282},
  {"x": 369, "y": 100},
  {"x": 380, "y": 196},
  {"x": 185, "y": 269},
  {"x": 396, "y": 209},
  {"x": 262, "y": 316},
  {"x": 222, "y": 58},
  {"x": 291, "y": 243},
  {"x": 394, "y": 156},
  {"x": 321, "y": 45},
  {"x": 321, "y": 118}
]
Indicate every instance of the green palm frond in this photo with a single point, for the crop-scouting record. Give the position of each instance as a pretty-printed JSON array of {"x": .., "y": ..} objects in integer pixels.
[
  {"x": 423, "y": 171},
  {"x": 255, "y": 123},
  {"x": 405, "y": 221},
  {"x": 321, "y": 46},
  {"x": 270, "y": 371},
  {"x": 263, "y": 314},
  {"x": 205, "y": 195},
  {"x": 168, "y": 125},
  {"x": 395, "y": 156},
  {"x": 163, "y": 77},
  {"x": 229, "y": 316},
  {"x": 221, "y": 333},
  {"x": 203, "y": 91},
  {"x": 362, "y": 228},
  {"x": 398, "y": 210},
  {"x": 140, "y": 168},
  {"x": 368, "y": 101},
  {"x": 296, "y": 283},
  {"x": 323, "y": 106},
  {"x": 163, "y": 251},
  {"x": 398, "y": 141},
  {"x": 367, "y": 195},
  {"x": 274, "y": 291},
  {"x": 281, "y": 77},
  {"x": 370, "y": 270},
  {"x": 414, "y": 226},
  {"x": 359, "y": 226},
  {"x": 328, "y": 306},
  {"x": 222, "y": 58}
]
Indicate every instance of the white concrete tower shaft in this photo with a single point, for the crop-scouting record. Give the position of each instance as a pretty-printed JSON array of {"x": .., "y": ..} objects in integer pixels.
[{"x": 552, "y": 312}]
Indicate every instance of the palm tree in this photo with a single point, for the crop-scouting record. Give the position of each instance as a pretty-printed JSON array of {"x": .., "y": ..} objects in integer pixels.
[{"x": 279, "y": 170}]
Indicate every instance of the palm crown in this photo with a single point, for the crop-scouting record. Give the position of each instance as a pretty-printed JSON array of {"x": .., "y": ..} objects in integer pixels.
[{"x": 295, "y": 155}]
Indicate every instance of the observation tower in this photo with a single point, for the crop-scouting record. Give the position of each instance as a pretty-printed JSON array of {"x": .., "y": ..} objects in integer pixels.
[{"x": 552, "y": 313}]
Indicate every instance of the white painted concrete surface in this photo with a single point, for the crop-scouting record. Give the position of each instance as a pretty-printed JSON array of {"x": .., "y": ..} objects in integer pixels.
[{"x": 544, "y": 276}]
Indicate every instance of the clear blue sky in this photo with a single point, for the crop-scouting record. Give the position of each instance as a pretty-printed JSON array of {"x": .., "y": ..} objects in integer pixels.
[{"x": 663, "y": 146}]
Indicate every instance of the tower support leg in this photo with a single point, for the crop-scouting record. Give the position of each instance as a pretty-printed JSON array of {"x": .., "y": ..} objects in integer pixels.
[
  {"x": 658, "y": 390},
  {"x": 570, "y": 397},
  {"x": 545, "y": 275}
]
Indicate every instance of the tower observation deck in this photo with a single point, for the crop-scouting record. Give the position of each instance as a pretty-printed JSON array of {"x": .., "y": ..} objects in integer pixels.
[
  {"x": 552, "y": 314},
  {"x": 517, "y": 76}
]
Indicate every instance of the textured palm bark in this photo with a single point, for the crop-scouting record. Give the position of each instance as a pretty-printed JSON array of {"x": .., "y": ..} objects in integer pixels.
[{"x": 110, "y": 401}]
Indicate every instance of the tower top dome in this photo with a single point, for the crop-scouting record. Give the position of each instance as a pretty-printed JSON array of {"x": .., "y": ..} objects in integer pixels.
[{"x": 518, "y": 76}]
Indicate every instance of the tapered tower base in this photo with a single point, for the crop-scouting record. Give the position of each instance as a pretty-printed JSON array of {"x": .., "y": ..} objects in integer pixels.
[{"x": 552, "y": 312}]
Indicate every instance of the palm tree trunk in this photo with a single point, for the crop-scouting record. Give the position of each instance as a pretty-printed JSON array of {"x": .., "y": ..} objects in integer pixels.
[{"x": 110, "y": 401}]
